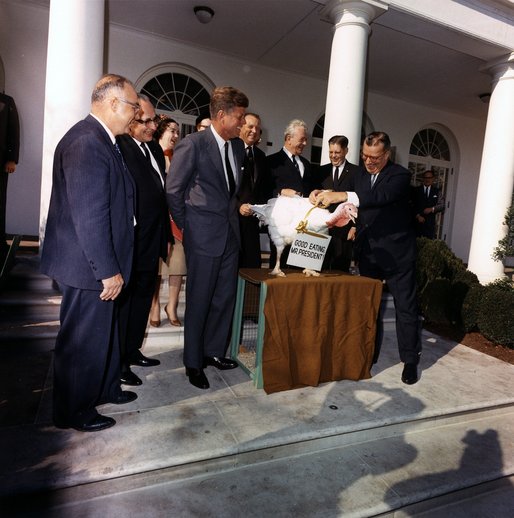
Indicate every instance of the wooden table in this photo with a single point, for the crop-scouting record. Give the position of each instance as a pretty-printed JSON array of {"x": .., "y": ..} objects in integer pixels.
[{"x": 309, "y": 330}]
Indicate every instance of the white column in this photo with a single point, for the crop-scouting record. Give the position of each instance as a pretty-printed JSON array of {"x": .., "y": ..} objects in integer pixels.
[
  {"x": 74, "y": 64},
  {"x": 496, "y": 173},
  {"x": 345, "y": 92}
]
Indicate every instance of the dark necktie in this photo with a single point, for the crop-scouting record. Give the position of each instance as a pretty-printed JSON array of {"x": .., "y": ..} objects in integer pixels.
[
  {"x": 427, "y": 191},
  {"x": 118, "y": 150},
  {"x": 250, "y": 165},
  {"x": 293, "y": 157},
  {"x": 146, "y": 151},
  {"x": 336, "y": 175},
  {"x": 230, "y": 174},
  {"x": 373, "y": 180}
]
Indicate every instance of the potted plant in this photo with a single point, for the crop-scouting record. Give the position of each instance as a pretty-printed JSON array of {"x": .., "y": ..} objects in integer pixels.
[{"x": 505, "y": 249}]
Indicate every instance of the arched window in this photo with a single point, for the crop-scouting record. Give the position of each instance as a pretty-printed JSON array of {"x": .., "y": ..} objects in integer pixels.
[
  {"x": 430, "y": 150},
  {"x": 175, "y": 92}
]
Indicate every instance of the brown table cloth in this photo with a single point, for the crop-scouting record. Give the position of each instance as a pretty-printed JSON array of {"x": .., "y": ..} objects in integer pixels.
[{"x": 317, "y": 329}]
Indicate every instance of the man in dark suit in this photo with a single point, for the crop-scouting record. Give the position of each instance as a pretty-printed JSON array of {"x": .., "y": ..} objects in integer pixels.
[
  {"x": 255, "y": 188},
  {"x": 386, "y": 243},
  {"x": 427, "y": 204},
  {"x": 339, "y": 176},
  {"x": 9, "y": 153},
  {"x": 145, "y": 161},
  {"x": 292, "y": 174},
  {"x": 88, "y": 250},
  {"x": 201, "y": 188}
]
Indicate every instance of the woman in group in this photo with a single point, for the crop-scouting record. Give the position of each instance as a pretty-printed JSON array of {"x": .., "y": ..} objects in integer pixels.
[{"x": 167, "y": 134}]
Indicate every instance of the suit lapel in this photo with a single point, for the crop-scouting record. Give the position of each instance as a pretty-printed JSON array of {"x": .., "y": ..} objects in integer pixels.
[{"x": 213, "y": 152}]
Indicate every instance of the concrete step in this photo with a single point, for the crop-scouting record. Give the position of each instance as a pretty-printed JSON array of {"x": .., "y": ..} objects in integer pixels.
[
  {"x": 391, "y": 467},
  {"x": 365, "y": 448}
]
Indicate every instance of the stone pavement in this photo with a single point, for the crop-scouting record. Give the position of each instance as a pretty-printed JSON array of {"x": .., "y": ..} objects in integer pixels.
[{"x": 442, "y": 447}]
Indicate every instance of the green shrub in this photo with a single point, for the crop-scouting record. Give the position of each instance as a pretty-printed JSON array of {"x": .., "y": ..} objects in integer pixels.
[
  {"x": 463, "y": 281},
  {"x": 505, "y": 246},
  {"x": 471, "y": 308},
  {"x": 448, "y": 292},
  {"x": 434, "y": 301},
  {"x": 503, "y": 284},
  {"x": 496, "y": 316},
  {"x": 430, "y": 263}
]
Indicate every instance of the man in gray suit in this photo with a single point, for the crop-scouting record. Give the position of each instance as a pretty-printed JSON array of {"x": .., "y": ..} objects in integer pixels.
[
  {"x": 204, "y": 177},
  {"x": 88, "y": 250}
]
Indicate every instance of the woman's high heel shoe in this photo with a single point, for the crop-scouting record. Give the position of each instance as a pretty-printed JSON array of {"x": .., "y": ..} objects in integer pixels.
[{"x": 173, "y": 321}]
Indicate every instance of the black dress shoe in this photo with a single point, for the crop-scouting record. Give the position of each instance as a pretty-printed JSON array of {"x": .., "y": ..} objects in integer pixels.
[
  {"x": 129, "y": 378},
  {"x": 222, "y": 364},
  {"x": 410, "y": 373},
  {"x": 125, "y": 396},
  {"x": 197, "y": 378},
  {"x": 142, "y": 361},
  {"x": 99, "y": 422}
]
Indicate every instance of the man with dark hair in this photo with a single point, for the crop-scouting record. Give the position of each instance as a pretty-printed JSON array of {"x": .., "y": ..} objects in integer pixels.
[
  {"x": 145, "y": 161},
  {"x": 255, "y": 188},
  {"x": 386, "y": 243},
  {"x": 88, "y": 249},
  {"x": 202, "y": 122},
  {"x": 201, "y": 187},
  {"x": 339, "y": 176},
  {"x": 9, "y": 153},
  {"x": 427, "y": 204}
]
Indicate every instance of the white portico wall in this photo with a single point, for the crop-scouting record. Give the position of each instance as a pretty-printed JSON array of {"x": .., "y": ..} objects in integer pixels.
[
  {"x": 496, "y": 173},
  {"x": 346, "y": 77},
  {"x": 276, "y": 94},
  {"x": 74, "y": 64}
]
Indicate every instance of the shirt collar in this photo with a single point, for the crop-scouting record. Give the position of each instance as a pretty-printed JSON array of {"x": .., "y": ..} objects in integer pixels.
[
  {"x": 340, "y": 166},
  {"x": 220, "y": 140},
  {"x": 109, "y": 132}
]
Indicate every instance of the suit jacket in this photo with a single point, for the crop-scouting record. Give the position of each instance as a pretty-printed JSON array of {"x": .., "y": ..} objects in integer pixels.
[
  {"x": 421, "y": 202},
  {"x": 198, "y": 196},
  {"x": 90, "y": 224},
  {"x": 346, "y": 177},
  {"x": 260, "y": 188},
  {"x": 9, "y": 131},
  {"x": 345, "y": 182},
  {"x": 384, "y": 221},
  {"x": 285, "y": 175},
  {"x": 152, "y": 232}
]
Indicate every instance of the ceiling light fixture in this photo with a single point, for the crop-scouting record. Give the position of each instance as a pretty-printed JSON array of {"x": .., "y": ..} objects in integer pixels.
[{"x": 203, "y": 13}]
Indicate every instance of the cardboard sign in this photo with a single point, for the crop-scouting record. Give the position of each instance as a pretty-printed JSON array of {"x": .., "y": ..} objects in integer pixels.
[{"x": 308, "y": 251}]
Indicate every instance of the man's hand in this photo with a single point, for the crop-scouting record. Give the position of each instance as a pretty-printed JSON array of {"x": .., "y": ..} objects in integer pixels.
[
  {"x": 420, "y": 219},
  {"x": 112, "y": 287},
  {"x": 245, "y": 209},
  {"x": 351, "y": 234},
  {"x": 326, "y": 198},
  {"x": 10, "y": 166},
  {"x": 312, "y": 196},
  {"x": 291, "y": 193},
  {"x": 429, "y": 210}
]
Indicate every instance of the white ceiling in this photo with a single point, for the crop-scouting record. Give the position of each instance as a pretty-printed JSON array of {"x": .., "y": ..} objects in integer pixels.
[{"x": 409, "y": 58}]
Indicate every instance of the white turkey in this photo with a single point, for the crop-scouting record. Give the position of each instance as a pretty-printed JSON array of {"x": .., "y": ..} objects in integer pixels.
[{"x": 285, "y": 214}]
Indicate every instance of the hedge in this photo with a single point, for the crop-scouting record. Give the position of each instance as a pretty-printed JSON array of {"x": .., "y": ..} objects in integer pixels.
[{"x": 449, "y": 293}]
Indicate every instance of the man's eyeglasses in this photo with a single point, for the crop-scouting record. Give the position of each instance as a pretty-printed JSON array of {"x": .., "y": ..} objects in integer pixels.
[
  {"x": 135, "y": 106},
  {"x": 372, "y": 159},
  {"x": 148, "y": 122}
]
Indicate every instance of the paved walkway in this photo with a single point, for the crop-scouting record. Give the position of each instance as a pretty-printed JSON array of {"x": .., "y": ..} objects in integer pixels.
[{"x": 345, "y": 448}]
